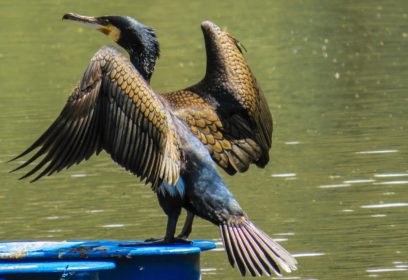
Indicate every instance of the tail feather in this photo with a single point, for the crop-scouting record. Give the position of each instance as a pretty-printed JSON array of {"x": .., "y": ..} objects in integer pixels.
[
  {"x": 253, "y": 251},
  {"x": 250, "y": 262},
  {"x": 267, "y": 255},
  {"x": 259, "y": 254},
  {"x": 284, "y": 258},
  {"x": 227, "y": 244},
  {"x": 234, "y": 254},
  {"x": 242, "y": 253}
]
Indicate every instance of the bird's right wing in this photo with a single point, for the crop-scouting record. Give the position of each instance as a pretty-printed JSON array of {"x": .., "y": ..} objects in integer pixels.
[{"x": 114, "y": 109}]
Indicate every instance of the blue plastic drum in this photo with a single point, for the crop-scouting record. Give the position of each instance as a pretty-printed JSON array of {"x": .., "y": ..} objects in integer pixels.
[{"x": 100, "y": 260}]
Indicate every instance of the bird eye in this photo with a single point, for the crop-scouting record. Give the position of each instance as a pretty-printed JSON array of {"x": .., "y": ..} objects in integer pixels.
[{"x": 104, "y": 21}]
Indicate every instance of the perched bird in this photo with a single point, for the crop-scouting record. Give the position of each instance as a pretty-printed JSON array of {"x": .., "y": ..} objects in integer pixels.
[
  {"x": 114, "y": 109},
  {"x": 226, "y": 110}
]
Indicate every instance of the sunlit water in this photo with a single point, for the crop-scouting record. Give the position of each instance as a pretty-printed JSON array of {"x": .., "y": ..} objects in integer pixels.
[{"x": 335, "y": 75}]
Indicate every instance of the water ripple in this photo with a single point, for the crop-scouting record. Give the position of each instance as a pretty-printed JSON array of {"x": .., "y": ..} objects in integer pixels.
[
  {"x": 386, "y": 205},
  {"x": 113, "y": 225},
  {"x": 357, "y": 181},
  {"x": 334, "y": 186},
  {"x": 284, "y": 175},
  {"x": 209, "y": 270},
  {"x": 95, "y": 211},
  {"x": 377, "y": 270},
  {"x": 79, "y": 175},
  {"x": 285, "y": 233},
  {"x": 280, "y": 239},
  {"x": 385, "y": 175},
  {"x": 392, "y": 183},
  {"x": 308, "y": 254},
  {"x": 377, "y": 152},
  {"x": 218, "y": 249},
  {"x": 292, "y": 142}
]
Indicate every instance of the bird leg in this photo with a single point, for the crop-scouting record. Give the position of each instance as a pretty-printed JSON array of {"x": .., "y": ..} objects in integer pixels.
[
  {"x": 170, "y": 231},
  {"x": 169, "y": 238},
  {"x": 187, "y": 228},
  {"x": 171, "y": 205}
]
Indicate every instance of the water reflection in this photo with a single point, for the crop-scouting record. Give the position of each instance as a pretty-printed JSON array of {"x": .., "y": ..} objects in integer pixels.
[
  {"x": 113, "y": 226},
  {"x": 95, "y": 211},
  {"x": 386, "y": 175},
  {"x": 386, "y": 205},
  {"x": 377, "y": 152},
  {"x": 79, "y": 175},
  {"x": 308, "y": 254},
  {"x": 284, "y": 175},
  {"x": 333, "y": 186},
  {"x": 392, "y": 183},
  {"x": 209, "y": 271},
  {"x": 379, "y": 270},
  {"x": 379, "y": 215},
  {"x": 358, "y": 181}
]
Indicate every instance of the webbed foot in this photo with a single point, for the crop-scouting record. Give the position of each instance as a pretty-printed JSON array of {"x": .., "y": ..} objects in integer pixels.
[
  {"x": 132, "y": 244},
  {"x": 164, "y": 241},
  {"x": 182, "y": 240},
  {"x": 181, "y": 237}
]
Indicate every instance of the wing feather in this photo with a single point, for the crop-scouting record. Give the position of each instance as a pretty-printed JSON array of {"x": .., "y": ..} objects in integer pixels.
[
  {"x": 249, "y": 113},
  {"x": 227, "y": 108},
  {"x": 114, "y": 109}
]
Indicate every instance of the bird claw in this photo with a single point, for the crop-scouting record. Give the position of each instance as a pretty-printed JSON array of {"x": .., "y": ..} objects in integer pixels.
[
  {"x": 132, "y": 244},
  {"x": 182, "y": 240},
  {"x": 149, "y": 241},
  {"x": 164, "y": 241},
  {"x": 157, "y": 241}
]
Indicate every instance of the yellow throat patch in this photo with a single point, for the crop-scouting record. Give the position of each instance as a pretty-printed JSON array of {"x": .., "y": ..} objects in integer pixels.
[{"x": 111, "y": 31}]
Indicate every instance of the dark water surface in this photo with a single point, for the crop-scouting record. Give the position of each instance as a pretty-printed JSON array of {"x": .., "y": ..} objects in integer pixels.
[{"x": 336, "y": 76}]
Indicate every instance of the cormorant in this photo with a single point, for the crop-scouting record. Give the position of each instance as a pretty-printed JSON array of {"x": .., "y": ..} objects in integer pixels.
[
  {"x": 226, "y": 110},
  {"x": 114, "y": 109}
]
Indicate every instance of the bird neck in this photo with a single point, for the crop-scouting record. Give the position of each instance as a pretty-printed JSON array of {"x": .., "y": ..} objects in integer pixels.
[
  {"x": 143, "y": 47},
  {"x": 144, "y": 61}
]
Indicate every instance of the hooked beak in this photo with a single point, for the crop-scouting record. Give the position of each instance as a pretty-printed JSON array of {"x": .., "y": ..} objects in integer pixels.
[
  {"x": 92, "y": 21},
  {"x": 99, "y": 23}
]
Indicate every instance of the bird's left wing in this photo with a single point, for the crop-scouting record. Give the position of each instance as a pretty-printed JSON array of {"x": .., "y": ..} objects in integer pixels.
[
  {"x": 227, "y": 110},
  {"x": 114, "y": 109},
  {"x": 231, "y": 86}
]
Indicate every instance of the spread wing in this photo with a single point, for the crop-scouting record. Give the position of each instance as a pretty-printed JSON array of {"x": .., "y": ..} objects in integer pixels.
[
  {"x": 240, "y": 102},
  {"x": 227, "y": 110},
  {"x": 229, "y": 145},
  {"x": 112, "y": 109}
]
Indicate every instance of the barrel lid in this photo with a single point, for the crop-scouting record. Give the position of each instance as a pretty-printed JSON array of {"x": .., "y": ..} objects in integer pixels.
[
  {"x": 54, "y": 266},
  {"x": 94, "y": 249}
]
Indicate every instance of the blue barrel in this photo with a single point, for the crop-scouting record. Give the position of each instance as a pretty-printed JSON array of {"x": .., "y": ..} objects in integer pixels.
[{"x": 100, "y": 260}]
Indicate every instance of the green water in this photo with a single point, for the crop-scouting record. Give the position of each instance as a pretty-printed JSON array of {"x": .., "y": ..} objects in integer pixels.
[{"x": 336, "y": 77}]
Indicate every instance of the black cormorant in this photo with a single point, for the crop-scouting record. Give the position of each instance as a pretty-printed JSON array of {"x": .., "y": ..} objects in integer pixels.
[
  {"x": 156, "y": 137},
  {"x": 226, "y": 110}
]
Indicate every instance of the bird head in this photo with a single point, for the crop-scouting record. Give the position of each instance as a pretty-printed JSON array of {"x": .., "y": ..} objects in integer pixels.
[{"x": 138, "y": 40}]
